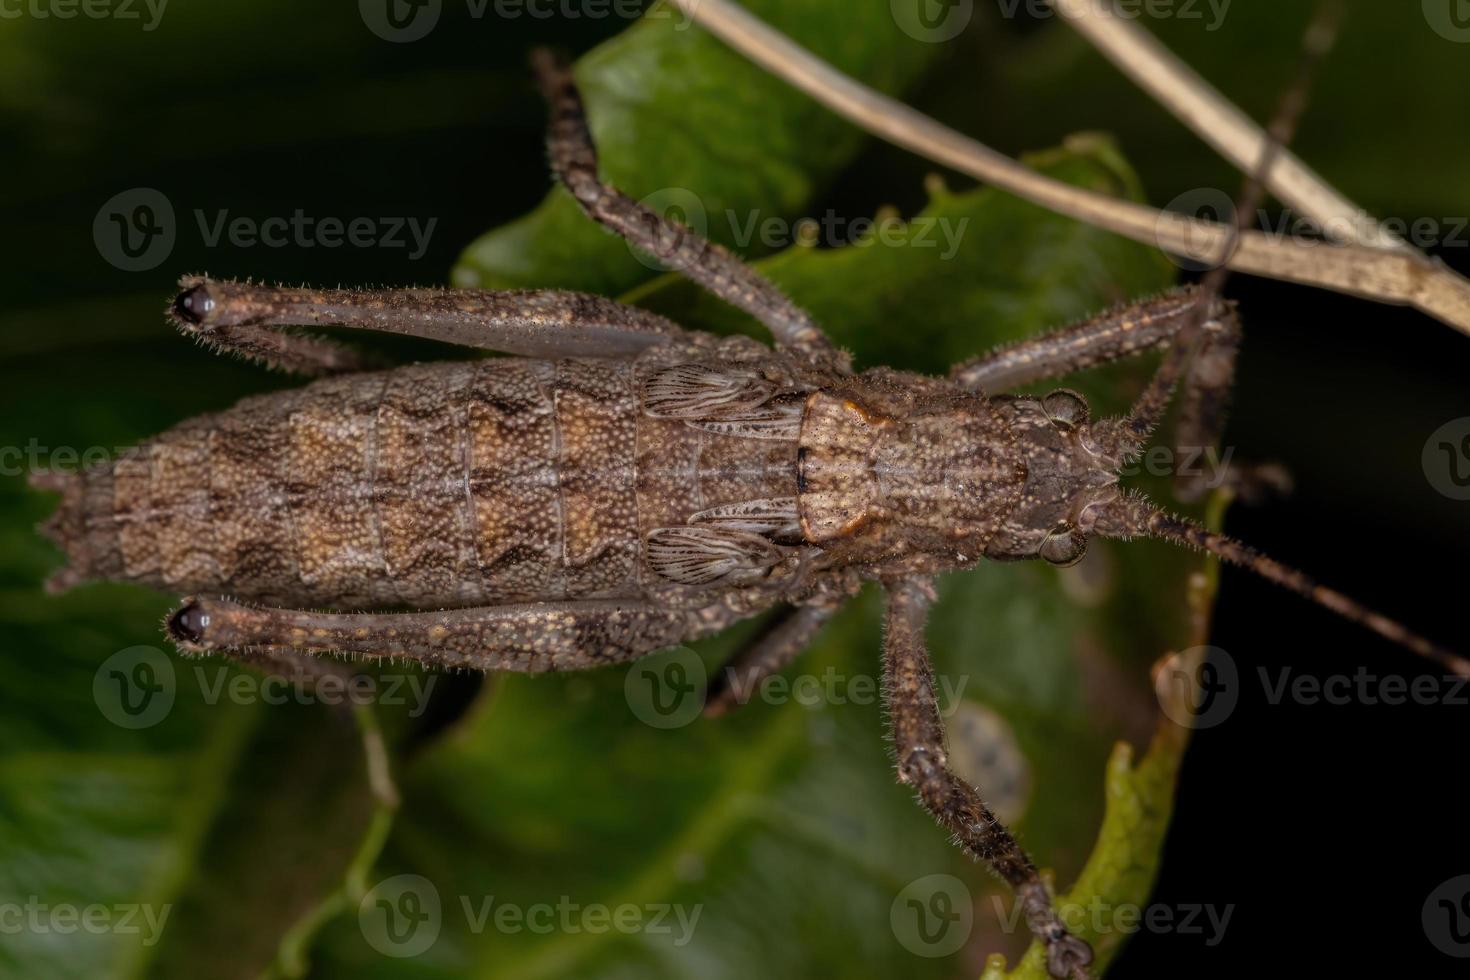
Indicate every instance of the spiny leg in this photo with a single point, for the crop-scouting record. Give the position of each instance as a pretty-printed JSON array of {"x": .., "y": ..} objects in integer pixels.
[
  {"x": 918, "y": 741},
  {"x": 776, "y": 646},
  {"x": 1122, "y": 332},
  {"x": 244, "y": 317},
  {"x": 574, "y": 160},
  {"x": 523, "y": 638}
]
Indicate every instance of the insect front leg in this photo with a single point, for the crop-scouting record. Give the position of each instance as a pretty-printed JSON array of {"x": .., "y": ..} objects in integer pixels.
[
  {"x": 1129, "y": 331},
  {"x": 1122, "y": 332},
  {"x": 767, "y": 654},
  {"x": 245, "y": 318},
  {"x": 919, "y": 744},
  {"x": 522, "y": 638},
  {"x": 574, "y": 160}
]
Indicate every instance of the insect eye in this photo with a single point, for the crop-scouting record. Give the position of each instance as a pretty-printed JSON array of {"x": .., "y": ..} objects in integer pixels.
[
  {"x": 188, "y": 624},
  {"x": 193, "y": 305},
  {"x": 1065, "y": 408},
  {"x": 1065, "y": 545}
]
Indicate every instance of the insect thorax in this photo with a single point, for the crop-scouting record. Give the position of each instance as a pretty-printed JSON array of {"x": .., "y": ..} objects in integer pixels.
[{"x": 937, "y": 474}]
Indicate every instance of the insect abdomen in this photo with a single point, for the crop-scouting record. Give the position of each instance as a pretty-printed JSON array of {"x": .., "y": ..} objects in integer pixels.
[{"x": 443, "y": 484}]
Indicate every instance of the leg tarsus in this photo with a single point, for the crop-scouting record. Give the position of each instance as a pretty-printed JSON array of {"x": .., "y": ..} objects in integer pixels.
[{"x": 919, "y": 745}]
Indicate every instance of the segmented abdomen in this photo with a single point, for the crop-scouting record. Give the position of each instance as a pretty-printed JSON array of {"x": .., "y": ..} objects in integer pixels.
[{"x": 434, "y": 485}]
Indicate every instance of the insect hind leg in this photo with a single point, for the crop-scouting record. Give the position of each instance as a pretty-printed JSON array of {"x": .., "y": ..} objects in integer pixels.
[{"x": 247, "y": 318}]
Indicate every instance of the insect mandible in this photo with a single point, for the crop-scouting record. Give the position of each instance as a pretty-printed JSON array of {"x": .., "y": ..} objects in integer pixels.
[{"x": 621, "y": 485}]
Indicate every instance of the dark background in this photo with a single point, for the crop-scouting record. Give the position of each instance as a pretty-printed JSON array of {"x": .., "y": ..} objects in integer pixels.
[{"x": 1326, "y": 825}]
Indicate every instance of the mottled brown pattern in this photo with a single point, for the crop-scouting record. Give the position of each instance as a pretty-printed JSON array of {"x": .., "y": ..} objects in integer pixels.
[{"x": 451, "y": 484}]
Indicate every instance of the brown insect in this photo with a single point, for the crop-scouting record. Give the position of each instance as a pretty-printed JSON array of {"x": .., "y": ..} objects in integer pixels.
[{"x": 623, "y": 485}]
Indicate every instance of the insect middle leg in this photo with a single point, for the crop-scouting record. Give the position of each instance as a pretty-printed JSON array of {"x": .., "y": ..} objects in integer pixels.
[
  {"x": 574, "y": 159},
  {"x": 767, "y": 654},
  {"x": 919, "y": 743}
]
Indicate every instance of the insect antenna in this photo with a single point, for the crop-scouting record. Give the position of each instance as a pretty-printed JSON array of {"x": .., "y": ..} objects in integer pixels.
[
  {"x": 1135, "y": 428},
  {"x": 1134, "y": 515}
]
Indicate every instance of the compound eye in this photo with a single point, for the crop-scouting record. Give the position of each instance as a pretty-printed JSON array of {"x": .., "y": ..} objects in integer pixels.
[
  {"x": 188, "y": 624},
  {"x": 1065, "y": 408},
  {"x": 193, "y": 305},
  {"x": 1065, "y": 545}
]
